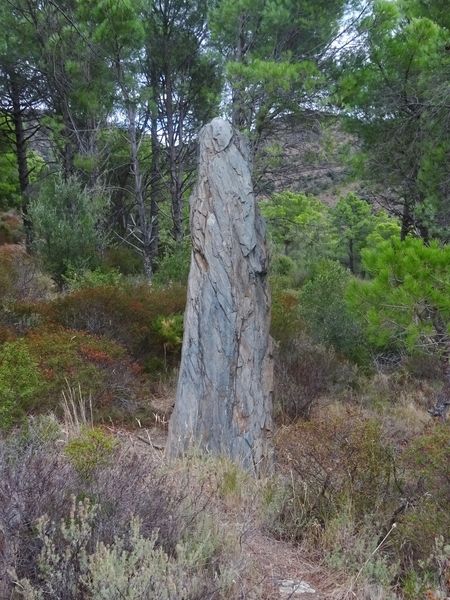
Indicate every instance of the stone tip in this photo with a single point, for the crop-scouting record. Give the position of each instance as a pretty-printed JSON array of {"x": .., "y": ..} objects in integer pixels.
[{"x": 217, "y": 134}]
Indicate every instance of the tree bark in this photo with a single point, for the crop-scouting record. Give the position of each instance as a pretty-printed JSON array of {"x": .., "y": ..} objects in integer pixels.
[
  {"x": 145, "y": 224},
  {"x": 224, "y": 394},
  {"x": 238, "y": 112},
  {"x": 21, "y": 154},
  {"x": 155, "y": 168}
]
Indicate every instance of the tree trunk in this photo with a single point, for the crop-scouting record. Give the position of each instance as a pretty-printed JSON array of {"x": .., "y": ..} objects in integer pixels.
[
  {"x": 145, "y": 224},
  {"x": 237, "y": 101},
  {"x": 21, "y": 154},
  {"x": 351, "y": 256},
  {"x": 224, "y": 394},
  {"x": 174, "y": 172},
  {"x": 155, "y": 170},
  {"x": 407, "y": 218}
]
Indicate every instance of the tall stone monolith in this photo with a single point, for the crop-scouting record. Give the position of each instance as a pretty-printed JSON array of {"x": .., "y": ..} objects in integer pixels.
[{"x": 224, "y": 394}]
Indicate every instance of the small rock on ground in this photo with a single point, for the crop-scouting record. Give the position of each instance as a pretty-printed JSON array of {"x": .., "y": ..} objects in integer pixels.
[{"x": 290, "y": 588}]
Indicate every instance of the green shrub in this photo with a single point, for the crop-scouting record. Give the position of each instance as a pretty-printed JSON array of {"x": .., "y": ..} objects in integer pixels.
[
  {"x": 65, "y": 218},
  {"x": 123, "y": 259},
  {"x": 174, "y": 266},
  {"x": 91, "y": 278},
  {"x": 325, "y": 312},
  {"x": 20, "y": 380},
  {"x": 133, "y": 566},
  {"x": 128, "y": 314},
  {"x": 427, "y": 484},
  {"x": 91, "y": 450},
  {"x": 282, "y": 265},
  {"x": 170, "y": 329},
  {"x": 100, "y": 366}
]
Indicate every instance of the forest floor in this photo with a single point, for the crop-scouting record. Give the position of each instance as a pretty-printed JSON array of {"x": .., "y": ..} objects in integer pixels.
[{"x": 278, "y": 569}]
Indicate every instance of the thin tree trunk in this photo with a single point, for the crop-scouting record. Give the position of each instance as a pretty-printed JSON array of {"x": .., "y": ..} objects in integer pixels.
[
  {"x": 22, "y": 160},
  {"x": 351, "y": 257},
  {"x": 145, "y": 224},
  {"x": 238, "y": 113},
  {"x": 154, "y": 175},
  {"x": 407, "y": 218},
  {"x": 175, "y": 196}
]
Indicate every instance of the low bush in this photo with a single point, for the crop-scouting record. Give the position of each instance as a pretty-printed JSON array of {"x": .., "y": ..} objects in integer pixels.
[
  {"x": 7, "y": 334},
  {"x": 132, "y": 566},
  {"x": 286, "y": 322},
  {"x": 369, "y": 495},
  {"x": 123, "y": 259},
  {"x": 90, "y": 450},
  {"x": 337, "y": 460},
  {"x": 174, "y": 265},
  {"x": 11, "y": 229},
  {"x": 20, "y": 278},
  {"x": 128, "y": 314},
  {"x": 130, "y": 530},
  {"x": 91, "y": 278},
  {"x": 66, "y": 218},
  {"x": 20, "y": 381},
  {"x": 59, "y": 357},
  {"x": 327, "y": 317},
  {"x": 427, "y": 488},
  {"x": 304, "y": 372}
]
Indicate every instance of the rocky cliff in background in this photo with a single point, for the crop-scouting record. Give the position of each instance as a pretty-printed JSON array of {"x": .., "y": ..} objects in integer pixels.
[{"x": 306, "y": 153}]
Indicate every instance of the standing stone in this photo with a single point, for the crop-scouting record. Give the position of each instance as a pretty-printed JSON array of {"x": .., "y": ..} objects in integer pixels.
[{"x": 224, "y": 394}]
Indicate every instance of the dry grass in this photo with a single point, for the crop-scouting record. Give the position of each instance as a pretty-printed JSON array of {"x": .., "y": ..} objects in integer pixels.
[{"x": 77, "y": 410}]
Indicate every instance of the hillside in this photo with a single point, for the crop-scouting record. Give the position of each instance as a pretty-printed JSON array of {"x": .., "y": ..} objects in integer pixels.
[{"x": 306, "y": 154}]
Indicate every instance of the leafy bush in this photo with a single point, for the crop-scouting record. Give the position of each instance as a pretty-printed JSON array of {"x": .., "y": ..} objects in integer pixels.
[
  {"x": 170, "y": 329},
  {"x": 131, "y": 524},
  {"x": 282, "y": 265},
  {"x": 20, "y": 380},
  {"x": 20, "y": 279},
  {"x": 91, "y": 278},
  {"x": 103, "y": 369},
  {"x": 127, "y": 314},
  {"x": 90, "y": 450},
  {"x": 65, "y": 218},
  {"x": 174, "y": 266},
  {"x": 122, "y": 259},
  {"x": 326, "y": 314},
  {"x": 304, "y": 371},
  {"x": 338, "y": 462}
]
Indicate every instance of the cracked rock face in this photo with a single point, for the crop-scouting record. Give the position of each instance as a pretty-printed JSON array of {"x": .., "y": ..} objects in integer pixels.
[{"x": 224, "y": 394}]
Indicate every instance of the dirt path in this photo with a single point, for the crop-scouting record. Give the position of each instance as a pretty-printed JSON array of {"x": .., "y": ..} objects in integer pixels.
[{"x": 279, "y": 568}]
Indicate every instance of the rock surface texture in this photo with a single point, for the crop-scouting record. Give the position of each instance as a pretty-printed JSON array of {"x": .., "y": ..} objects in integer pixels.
[{"x": 224, "y": 394}]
